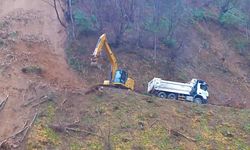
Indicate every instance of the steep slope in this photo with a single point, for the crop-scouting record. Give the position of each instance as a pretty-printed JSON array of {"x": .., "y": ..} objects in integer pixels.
[
  {"x": 206, "y": 54},
  {"x": 219, "y": 64},
  {"x": 32, "y": 60}
]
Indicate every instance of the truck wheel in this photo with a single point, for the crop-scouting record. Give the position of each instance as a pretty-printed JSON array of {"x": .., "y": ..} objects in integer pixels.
[
  {"x": 172, "y": 96},
  {"x": 198, "y": 100},
  {"x": 162, "y": 95}
]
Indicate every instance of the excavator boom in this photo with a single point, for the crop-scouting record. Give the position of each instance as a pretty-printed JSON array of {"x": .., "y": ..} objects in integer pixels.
[{"x": 102, "y": 42}]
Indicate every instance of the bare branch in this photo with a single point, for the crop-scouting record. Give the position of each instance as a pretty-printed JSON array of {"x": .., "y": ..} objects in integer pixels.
[
  {"x": 58, "y": 16},
  {"x": 2, "y": 104},
  {"x": 48, "y": 3}
]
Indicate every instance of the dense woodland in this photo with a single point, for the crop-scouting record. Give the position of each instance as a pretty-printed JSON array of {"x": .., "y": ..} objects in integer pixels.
[
  {"x": 138, "y": 21},
  {"x": 154, "y": 24}
]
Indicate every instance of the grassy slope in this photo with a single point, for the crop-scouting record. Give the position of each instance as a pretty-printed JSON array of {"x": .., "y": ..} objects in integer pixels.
[{"x": 125, "y": 120}]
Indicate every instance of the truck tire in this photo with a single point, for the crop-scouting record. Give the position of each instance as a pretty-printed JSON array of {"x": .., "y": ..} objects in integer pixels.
[
  {"x": 162, "y": 95},
  {"x": 198, "y": 100},
  {"x": 172, "y": 96}
]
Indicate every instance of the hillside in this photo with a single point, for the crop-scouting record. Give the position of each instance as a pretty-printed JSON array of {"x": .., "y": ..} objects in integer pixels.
[
  {"x": 47, "y": 100},
  {"x": 196, "y": 41},
  {"x": 119, "y": 119}
]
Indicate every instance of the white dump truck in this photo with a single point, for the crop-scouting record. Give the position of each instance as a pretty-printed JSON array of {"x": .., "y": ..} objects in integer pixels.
[{"x": 193, "y": 91}]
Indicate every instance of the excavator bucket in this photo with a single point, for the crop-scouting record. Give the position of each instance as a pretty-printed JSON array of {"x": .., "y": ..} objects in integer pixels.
[{"x": 93, "y": 61}]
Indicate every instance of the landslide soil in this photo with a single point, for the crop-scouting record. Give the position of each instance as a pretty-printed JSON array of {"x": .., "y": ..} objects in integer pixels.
[{"x": 31, "y": 38}]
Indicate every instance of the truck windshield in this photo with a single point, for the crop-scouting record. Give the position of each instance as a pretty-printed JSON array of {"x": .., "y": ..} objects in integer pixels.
[{"x": 204, "y": 87}]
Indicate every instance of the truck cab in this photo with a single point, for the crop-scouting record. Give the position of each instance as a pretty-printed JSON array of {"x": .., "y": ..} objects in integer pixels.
[{"x": 199, "y": 91}]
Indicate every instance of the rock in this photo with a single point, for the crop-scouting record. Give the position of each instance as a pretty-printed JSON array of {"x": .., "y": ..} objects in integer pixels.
[{"x": 227, "y": 134}]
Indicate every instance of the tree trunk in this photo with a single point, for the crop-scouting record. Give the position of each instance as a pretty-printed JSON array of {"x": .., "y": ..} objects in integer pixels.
[
  {"x": 71, "y": 18},
  {"x": 155, "y": 46},
  {"x": 247, "y": 33},
  {"x": 58, "y": 16}
]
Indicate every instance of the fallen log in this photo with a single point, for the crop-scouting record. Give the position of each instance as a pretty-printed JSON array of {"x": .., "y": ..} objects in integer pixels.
[
  {"x": 67, "y": 129},
  {"x": 24, "y": 130},
  {"x": 28, "y": 128},
  {"x": 2, "y": 104}
]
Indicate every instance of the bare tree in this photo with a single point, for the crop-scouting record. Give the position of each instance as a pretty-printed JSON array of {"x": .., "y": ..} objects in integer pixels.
[
  {"x": 54, "y": 5},
  {"x": 69, "y": 4},
  {"x": 156, "y": 22},
  {"x": 226, "y": 5}
]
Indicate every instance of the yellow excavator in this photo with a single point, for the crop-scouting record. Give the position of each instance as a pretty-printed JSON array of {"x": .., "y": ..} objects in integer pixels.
[{"x": 119, "y": 78}]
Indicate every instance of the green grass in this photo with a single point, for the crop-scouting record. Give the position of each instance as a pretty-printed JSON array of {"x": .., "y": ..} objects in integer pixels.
[
  {"x": 95, "y": 146},
  {"x": 247, "y": 127},
  {"x": 42, "y": 135},
  {"x": 51, "y": 135},
  {"x": 118, "y": 115},
  {"x": 241, "y": 145},
  {"x": 198, "y": 137},
  {"x": 75, "y": 146}
]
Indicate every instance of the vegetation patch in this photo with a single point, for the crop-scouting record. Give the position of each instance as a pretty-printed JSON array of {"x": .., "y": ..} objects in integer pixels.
[
  {"x": 42, "y": 136},
  {"x": 121, "y": 120},
  {"x": 75, "y": 146},
  {"x": 32, "y": 70},
  {"x": 247, "y": 127},
  {"x": 233, "y": 18},
  {"x": 86, "y": 24},
  {"x": 201, "y": 14},
  {"x": 242, "y": 45}
]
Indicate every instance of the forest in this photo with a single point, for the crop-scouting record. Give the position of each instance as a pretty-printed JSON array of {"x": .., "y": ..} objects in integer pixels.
[{"x": 149, "y": 23}]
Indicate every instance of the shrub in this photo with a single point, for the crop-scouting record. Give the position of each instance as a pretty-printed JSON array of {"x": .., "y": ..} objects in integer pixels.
[
  {"x": 199, "y": 14},
  {"x": 84, "y": 23},
  {"x": 247, "y": 127},
  {"x": 170, "y": 43},
  {"x": 161, "y": 26},
  {"x": 233, "y": 17},
  {"x": 32, "y": 69},
  {"x": 73, "y": 61},
  {"x": 241, "y": 45}
]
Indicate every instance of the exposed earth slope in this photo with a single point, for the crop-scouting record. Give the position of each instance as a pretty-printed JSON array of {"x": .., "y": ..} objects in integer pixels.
[{"x": 32, "y": 61}]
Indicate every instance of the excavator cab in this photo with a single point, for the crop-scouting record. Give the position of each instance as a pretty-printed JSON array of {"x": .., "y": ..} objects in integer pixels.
[
  {"x": 122, "y": 80},
  {"x": 121, "y": 76}
]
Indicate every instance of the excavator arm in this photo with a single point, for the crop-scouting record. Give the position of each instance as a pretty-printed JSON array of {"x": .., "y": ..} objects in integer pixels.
[{"x": 103, "y": 42}]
